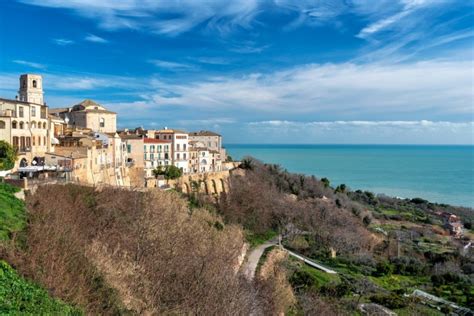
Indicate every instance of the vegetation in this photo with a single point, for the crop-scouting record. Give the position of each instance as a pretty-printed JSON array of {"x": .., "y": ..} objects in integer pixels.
[
  {"x": 169, "y": 172},
  {"x": 12, "y": 212},
  {"x": 19, "y": 296},
  {"x": 7, "y": 156}
]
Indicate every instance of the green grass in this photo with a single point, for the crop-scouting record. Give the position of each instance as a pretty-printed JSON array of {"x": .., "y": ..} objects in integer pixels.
[
  {"x": 19, "y": 296},
  {"x": 258, "y": 239},
  {"x": 12, "y": 212},
  {"x": 321, "y": 277},
  {"x": 395, "y": 282},
  {"x": 418, "y": 310}
]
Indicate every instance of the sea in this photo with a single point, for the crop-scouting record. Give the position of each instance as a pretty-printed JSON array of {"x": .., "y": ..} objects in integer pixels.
[{"x": 442, "y": 174}]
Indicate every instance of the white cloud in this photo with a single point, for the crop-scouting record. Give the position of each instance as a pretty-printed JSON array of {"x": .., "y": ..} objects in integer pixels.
[
  {"x": 95, "y": 39},
  {"x": 29, "y": 64},
  {"x": 367, "y": 132},
  {"x": 341, "y": 91},
  {"x": 170, "y": 65},
  {"x": 62, "y": 41}
]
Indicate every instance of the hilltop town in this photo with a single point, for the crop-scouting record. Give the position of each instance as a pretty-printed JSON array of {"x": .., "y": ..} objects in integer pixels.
[{"x": 81, "y": 143}]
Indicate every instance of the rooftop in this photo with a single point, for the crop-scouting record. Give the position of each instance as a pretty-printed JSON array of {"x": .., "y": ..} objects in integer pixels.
[
  {"x": 156, "y": 141},
  {"x": 204, "y": 133}
]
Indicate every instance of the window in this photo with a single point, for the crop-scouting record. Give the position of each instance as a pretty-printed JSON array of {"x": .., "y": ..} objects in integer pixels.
[
  {"x": 102, "y": 122},
  {"x": 184, "y": 156},
  {"x": 39, "y": 140},
  {"x": 20, "y": 111},
  {"x": 177, "y": 156},
  {"x": 22, "y": 125},
  {"x": 33, "y": 139},
  {"x": 184, "y": 147},
  {"x": 2, "y": 125},
  {"x": 23, "y": 84},
  {"x": 33, "y": 124},
  {"x": 44, "y": 140},
  {"x": 28, "y": 142},
  {"x": 33, "y": 111},
  {"x": 152, "y": 149},
  {"x": 44, "y": 125},
  {"x": 15, "y": 141},
  {"x": 14, "y": 124},
  {"x": 129, "y": 148},
  {"x": 152, "y": 157},
  {"x": 144, "y": 148},
  {"x": 159, "y": 148},
  {"x": 177, "y": 147},
  {"x": 167, "y": 156},
  {"x": 145, "y": 156},
  {"x": 35, "y": 84}
]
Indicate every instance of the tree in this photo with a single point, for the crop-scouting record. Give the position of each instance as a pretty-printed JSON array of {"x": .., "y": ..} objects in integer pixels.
[
  {"x": 7, "y": 156},
  {"x": 326, "y": 182},
  {"x": 341, "y": 188},
  {"x": 172, "y": 172}
]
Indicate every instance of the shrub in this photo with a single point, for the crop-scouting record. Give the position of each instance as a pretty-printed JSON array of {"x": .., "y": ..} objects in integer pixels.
[
  {"x": 392, "y": 300},
  {"x": 367, "y": 220},
  {"x": 383, "y": 268},
  {"x": 7, "y": 156}
]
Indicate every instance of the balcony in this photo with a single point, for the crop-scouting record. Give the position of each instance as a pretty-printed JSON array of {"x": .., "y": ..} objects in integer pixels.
[
  {"x": 22, "y": 150},
  {"x": 7, "y": 113}
]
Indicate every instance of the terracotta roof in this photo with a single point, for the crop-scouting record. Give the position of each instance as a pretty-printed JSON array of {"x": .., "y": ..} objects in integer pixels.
[
  {"x": 156, "y": 141},
  {"x": 204, "y": 133},
  {"x": 131, "y": 136}
]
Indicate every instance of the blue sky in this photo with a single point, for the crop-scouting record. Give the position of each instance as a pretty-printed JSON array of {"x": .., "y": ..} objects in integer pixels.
[{"x": 269, "y": 71}]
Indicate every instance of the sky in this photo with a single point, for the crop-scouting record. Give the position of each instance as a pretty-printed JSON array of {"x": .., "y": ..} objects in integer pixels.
[{"x": 256, "y": 71}]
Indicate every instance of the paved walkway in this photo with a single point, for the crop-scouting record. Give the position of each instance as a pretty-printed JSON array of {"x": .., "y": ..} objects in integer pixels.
[{"x": 253, "y": 258}]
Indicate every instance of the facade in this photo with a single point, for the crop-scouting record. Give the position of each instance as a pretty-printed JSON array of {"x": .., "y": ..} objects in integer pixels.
[
  {"x": 156, "y": 152},
  {"x": 211, "y": 140},
  {"x": 24, "y": 122},
  {"x": 91, "y": 115},
  {"x": 180, "y": 146}
]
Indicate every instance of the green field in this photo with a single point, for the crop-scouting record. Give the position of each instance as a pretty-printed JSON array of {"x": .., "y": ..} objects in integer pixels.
[{"x": 19, "y": 296}]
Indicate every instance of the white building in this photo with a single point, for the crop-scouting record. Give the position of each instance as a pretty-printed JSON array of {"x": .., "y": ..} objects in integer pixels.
[
  {"x": 156, "y": 152},
  {"x": 180, "y": 146}
]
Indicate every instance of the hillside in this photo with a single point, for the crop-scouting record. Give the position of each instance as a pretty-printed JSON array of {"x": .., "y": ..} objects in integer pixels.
[{"x": 118, "y": 251}]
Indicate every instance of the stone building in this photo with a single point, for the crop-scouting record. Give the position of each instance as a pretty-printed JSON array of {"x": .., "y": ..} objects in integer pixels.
[
  {"x": 24, "y": 122},
  {"x": 91, "y": 115},
  {"x": 211, "y": 140}
]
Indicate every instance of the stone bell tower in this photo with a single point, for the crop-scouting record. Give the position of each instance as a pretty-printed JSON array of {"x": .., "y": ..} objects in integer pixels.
[{"x": 31, "y": 88}]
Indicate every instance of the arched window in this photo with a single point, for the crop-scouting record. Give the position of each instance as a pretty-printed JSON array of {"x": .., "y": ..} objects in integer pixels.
[
  {"x": 102, "y": 122},
  {"x": 2, "y": 125},
  {"x": 44, "y": 125},
  {"x": 22, "y": 125},
  {"x": 14, "y": 124},
  {"x": 33, "y": 124},
  {"x": 15, "y": 141},
  {"x": 34, "y": 84}
]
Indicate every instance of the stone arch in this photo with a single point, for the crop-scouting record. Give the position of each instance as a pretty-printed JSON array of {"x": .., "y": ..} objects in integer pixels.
[
  {"x": 206, "y": 186},
  {"x": 186, "y": 188},
  {"x": 214, "y": 186},
  {"x": 23, "y": 162},
  {"x": 223, "y": 185}
]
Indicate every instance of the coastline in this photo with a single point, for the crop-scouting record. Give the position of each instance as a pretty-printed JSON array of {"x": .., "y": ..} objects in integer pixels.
[{"x": 439, "y": 173}]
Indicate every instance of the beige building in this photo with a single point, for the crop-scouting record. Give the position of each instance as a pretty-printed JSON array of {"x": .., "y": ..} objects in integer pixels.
[
  {"x": 157, "y": 152},
  {"x": 211, "y": 140},
  {"x": 91, "y": 115},
  {"x": 24, "y": 122}
]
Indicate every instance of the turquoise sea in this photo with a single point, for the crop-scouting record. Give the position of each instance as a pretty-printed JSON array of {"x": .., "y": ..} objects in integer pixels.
[{"x": 443, "y": 174}]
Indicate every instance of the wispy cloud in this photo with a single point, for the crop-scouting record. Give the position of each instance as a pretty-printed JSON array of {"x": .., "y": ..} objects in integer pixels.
[
  {"x": 95, "y": 39},
  {"x": 62, "y": 41},
  {"x": 369, "y": 132},
  {"x": 336, "y": 91},
  {"x": 171, "y": 65},
  {"x": 29, "y": 64}
]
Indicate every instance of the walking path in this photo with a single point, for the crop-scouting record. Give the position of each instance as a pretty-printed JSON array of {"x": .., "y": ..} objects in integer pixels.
[{"x": 253, "y": 258}]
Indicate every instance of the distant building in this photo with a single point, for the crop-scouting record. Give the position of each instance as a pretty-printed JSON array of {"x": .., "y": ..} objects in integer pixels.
[
  {"x": 453, "y": 224},
  {"x": 24, "y": 122},
  {"x": 157, "y": 152},
  {"x": 91, "y": 115},
  {"x": 211, "y": 140},
  {"x": 180, "y": 146}
]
